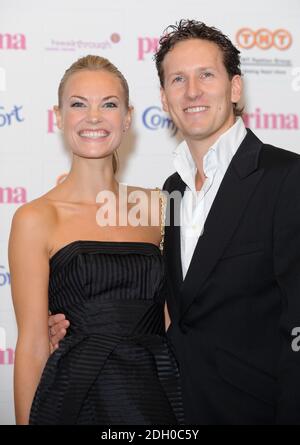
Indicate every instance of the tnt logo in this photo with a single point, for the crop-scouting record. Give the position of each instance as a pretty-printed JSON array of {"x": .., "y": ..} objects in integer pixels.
[
  {"x": 264, "y": 39},
  {"x": 2, "y": 79},
  {"x": 147, "y": 45}
]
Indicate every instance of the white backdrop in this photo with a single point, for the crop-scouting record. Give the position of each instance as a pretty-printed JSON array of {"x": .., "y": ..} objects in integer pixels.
[{"x": 39, "y": 40}]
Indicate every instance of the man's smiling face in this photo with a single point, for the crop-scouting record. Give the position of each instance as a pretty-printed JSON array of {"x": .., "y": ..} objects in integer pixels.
[{"x": 198, "y": 93}]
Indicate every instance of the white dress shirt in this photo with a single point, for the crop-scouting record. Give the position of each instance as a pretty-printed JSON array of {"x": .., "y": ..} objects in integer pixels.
[{"x": 196, "y": 205}]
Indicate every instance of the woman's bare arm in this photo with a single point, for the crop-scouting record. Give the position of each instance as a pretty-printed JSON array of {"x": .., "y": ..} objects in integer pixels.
[{"x": 29, "y": 268}]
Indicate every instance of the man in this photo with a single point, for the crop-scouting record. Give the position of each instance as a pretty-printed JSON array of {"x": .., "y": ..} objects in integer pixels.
[{"x": 233, "y": 267}]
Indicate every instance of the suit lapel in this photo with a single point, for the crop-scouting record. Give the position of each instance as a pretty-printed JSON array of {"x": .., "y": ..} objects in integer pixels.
[{"x": 228, "y": 207}]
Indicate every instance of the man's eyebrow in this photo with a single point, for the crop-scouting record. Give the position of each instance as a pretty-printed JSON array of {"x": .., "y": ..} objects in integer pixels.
[{"x": 200, "y": 68}]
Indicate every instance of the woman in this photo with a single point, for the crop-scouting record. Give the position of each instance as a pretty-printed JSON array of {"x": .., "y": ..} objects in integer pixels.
[{"x": 115, "y": 365}]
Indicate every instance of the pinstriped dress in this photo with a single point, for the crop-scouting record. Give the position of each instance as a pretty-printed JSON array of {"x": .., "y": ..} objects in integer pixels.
[{"x": 115, "y": 365}]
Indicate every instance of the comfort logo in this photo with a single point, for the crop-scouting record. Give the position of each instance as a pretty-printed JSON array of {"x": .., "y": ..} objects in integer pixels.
[
  {"x": 12, "y": 41},
  {"x": 8, "y": 118},
  {"x": 264, "y": 38},
  {"x": 154, "y": 119},
  {"x": 271, "y": 121},
  {"x": 10, "y": 195},
  {"x": 4, "y": 277},
  {"x": 74, "y": 45},
  {"x": 147, "y": 46}
]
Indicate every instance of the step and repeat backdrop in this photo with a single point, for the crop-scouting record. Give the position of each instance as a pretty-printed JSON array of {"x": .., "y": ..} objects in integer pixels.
[{"x": 39, "y": 40}]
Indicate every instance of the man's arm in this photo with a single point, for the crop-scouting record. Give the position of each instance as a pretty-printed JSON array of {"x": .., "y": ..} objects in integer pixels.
[{"x": 58, "y": 326}]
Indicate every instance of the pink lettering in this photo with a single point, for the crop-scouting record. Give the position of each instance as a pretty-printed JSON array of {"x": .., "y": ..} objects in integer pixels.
[
  {"x": 7, "y": 356},
  {"x": 9, "y": 195},
  {"x": 271, "y": 121},
  {"x": 12, "y": 41},
  {"x": 146, "y": 45},
  {"x": 51, "y": 122}
]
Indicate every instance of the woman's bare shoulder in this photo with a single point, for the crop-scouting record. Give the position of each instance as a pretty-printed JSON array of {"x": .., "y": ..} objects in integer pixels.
[{"x": 38, "y": 214}]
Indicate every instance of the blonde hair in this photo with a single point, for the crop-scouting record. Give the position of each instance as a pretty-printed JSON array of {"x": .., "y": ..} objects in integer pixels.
[{"x": 94, "y": 63}]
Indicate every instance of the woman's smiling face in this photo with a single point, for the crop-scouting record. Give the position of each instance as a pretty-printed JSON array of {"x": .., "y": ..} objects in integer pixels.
[{"x": 93, "y": 113}]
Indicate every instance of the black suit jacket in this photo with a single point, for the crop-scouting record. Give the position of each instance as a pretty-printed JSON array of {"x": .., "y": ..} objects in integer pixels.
[{"x": 233, "y": 315}]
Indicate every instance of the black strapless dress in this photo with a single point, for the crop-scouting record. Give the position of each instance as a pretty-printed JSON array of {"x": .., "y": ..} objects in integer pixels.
[{"x": 115, "y": 365}]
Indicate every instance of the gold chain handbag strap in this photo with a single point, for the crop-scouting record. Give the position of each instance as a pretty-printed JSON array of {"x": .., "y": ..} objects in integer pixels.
[{"x": 163, "y": 205}]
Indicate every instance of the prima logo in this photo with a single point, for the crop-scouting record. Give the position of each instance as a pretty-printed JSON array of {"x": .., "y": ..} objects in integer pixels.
[
  {"x": 271, "y": 121},
  {"x": 155, "y": 119},
  {"x": 12, "y": 41},
  {"x": 147, "y": 46},
  {"x": 10, "y": 195}
]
